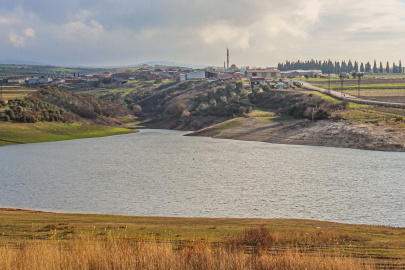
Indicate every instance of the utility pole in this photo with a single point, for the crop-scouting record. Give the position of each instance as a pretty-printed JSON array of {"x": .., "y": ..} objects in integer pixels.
[
  {"x": 1, "y": 93},
  {"x": 329, "y": 80}
]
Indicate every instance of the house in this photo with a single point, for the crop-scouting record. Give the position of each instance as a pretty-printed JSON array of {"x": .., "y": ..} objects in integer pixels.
[
  {"x": 69, "y": 81},
  {"x": 262, "y": 73},
  {"x": 158, "y": 71},
  {"x": 105, "y": 74},
  {"x": 257, "y": 82},
  {"x": 17, "y": 80},
  {"x": 58, "y": 81},
  {"x": 224, "y": 76}
]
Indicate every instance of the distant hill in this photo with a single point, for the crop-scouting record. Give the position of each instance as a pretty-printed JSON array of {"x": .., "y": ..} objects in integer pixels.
[
  {"x": 20, "y": 62},
  {"x": 166, "y": 63}
]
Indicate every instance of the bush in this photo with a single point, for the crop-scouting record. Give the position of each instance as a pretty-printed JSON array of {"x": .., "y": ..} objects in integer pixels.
[
  {"x": 137, "y": 109},
  {"x": 258, "y": 237},
  {"x": 321, "y": 114},
  {"x": 7, "y": 118}
]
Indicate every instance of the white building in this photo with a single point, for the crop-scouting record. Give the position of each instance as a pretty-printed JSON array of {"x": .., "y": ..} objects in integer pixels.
[
  {"x": 33, "y": 80},
  {"x": 44, "y": 80},
  {"x": 193, "y": 75}
]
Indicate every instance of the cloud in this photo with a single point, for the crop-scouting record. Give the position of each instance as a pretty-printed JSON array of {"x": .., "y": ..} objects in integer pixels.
[
  {"x": 257, "y": 32},
  {"x": 29, "y": 32},
  {"x": 79, "y": 31},
  {"x": 8, "y": 21},
  {"x": 220, "y": 32},
  {"x": 18, "y": 41}
]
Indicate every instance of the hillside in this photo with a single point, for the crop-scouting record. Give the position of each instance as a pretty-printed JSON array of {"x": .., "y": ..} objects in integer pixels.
[
  {"x": 193, "y": 105},
  {"x": 52, "y": 114},
  {"x": 51, "y": 104}
]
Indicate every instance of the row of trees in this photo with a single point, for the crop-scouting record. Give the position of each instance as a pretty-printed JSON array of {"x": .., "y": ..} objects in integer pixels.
[{"x": 339, "y": 67}]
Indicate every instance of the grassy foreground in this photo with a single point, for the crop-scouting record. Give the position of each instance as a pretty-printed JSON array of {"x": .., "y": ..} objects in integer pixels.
[
  {"x": 16, "y": 133},
  {"x": 38, "y": 240}
]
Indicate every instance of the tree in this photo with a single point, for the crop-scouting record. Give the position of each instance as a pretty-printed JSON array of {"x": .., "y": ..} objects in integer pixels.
[
  {"x": 362, "y": 67},
  {"x": 343, "y": 67},
  {"x": 381, "y": 68},
  {"x": 341, "y": 77},
  {"x": 400, "y": 67},
  {"x": 354, "y": 74},
  {"x": 387, "y": 68},
  {"x": 356, "y": 66},
  {"x": 306, "y": 76},
  {"x": 350, "y": 67},
  {"x": 368, "y": 67},
  {"x": 375, "y": 67}
]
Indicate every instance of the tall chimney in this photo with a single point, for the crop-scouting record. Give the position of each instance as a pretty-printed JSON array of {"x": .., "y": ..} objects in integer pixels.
[{"x": 227, "y": 58}]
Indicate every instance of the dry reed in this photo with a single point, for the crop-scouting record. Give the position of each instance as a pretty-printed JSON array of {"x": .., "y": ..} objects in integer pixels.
[{"x": 138, "y": 254}]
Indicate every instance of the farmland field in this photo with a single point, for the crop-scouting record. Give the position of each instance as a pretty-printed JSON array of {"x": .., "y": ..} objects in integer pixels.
[{"x": 16, "y": 92}]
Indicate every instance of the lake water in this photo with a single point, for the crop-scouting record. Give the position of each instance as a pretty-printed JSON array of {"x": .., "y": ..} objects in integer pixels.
[{"x": 163, "y": 173}]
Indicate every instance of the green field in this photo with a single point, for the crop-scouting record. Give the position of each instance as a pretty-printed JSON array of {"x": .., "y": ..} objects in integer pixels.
[{"x": 14, "y": 133}]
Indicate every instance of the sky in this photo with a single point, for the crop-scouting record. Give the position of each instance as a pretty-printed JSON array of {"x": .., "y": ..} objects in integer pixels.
[{"x": 258, "y": 33}]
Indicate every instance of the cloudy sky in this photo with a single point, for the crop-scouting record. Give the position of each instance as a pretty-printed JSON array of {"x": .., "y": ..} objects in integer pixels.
[{"x": 258, "y": 32}]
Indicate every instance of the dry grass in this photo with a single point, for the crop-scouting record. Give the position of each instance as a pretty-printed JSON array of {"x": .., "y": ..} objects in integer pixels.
[{"x": 139, "y": 254}]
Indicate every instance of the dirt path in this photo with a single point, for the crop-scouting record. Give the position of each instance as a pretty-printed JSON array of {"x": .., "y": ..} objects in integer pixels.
[{"x": 350, "y": 98}]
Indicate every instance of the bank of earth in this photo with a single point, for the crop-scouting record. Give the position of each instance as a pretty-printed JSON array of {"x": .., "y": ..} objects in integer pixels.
[
  {"x": 22, "y": 133},
  {"x": 384, "y": 135}
]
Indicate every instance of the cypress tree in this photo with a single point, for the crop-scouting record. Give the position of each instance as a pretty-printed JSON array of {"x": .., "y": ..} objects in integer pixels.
[
  {"x": 368, "y": 67},
  {"x": 387, "y": 68},
  {"x": 343, "y": 67},
  {"x": 350, "y": 67},
  {"x": 394, "y": 68},
  {"x": 400, "y": 67},
  {"x": 337, "y": 68},
  {"x": 375, "y": 67},
  {"x": 381, "y": 68},
  {"x": 356, "y": 66},
  {"x": 362, "y": 67}
]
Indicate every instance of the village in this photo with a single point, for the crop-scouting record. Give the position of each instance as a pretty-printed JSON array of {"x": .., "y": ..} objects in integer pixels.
[{"x": 152, "y": 75}]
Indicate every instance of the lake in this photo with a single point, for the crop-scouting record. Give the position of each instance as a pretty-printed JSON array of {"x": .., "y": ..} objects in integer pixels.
[{"x": 163, "y": 173}]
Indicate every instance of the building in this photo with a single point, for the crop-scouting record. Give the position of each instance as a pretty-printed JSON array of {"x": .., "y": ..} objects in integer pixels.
[
  {"x": 105, "y": 74},
  {"x": 257, "y": 82},
  {"x": 33, "y": 80},
  {"x": 300, "y": 72},
  {"x": 263, "y": 73},
  {"x": 202, "y": 74},
  {"x": 44, "y": 80}
]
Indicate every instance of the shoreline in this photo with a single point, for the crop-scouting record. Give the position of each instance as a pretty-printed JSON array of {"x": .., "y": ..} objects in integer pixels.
[
  {"x": 25, "y": 133},
  {"x": 42, "y": 211},
  {"x": 325, "y": 133}
]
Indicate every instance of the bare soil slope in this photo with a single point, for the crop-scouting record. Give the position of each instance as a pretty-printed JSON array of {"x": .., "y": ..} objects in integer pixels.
[{"x": 369, "y": 136}]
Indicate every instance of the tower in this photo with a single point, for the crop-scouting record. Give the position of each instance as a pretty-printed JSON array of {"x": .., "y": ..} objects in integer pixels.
[{"x": 227, "y": 58}]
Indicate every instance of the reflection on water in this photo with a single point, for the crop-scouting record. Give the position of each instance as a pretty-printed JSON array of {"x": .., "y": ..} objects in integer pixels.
[{"x": 162, "y": 173}]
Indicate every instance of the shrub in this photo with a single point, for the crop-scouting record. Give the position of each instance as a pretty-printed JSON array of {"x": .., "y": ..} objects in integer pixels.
[
  {"x": 137, "y": 109},
  {"x": 185, "y": 114},
  {"x": 321, "y": 114},
  {"x": 7, "y": 118}
]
